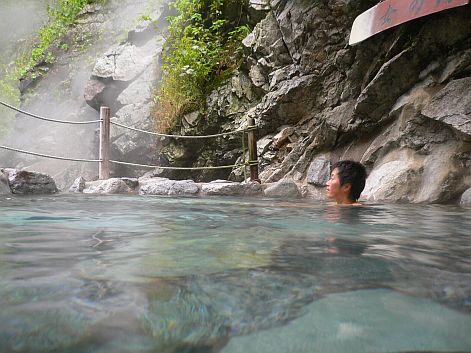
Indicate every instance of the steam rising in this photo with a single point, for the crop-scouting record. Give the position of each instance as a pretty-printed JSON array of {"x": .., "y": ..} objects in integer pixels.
[
  {"x": 19, "y": 20},
  {"x": 59, "y": 94}
]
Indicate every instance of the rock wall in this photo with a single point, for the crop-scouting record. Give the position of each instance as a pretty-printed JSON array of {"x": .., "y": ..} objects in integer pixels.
[
  {"x": 124, "y": 78},
  {"x": 400, "y": 102}
]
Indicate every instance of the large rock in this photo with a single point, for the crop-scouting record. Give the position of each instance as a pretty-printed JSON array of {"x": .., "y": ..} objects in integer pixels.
[
  {"x": 94, "y": 93},
  {"x": 285, "y": 188},
  {"x": 466, "y": 198},
  {"x": 452, "y": 105},
  {"x": 109, "y": 186},
  {"x": 287, "y": 104},
  {"x": 4, "y": 186},
  {"x": 318, "y": 172},
  {"x": 78, "y": 185},
  {"x": 141, "y": 89},
  {"x": 164, "y": 186},
  {"x": 124, "y": 62},
  {"x": 124, "y": 73},
  {"x": 395, "y": 180},
  {"x": 392, "y": 80},
  {"x": 26, "y": 183},
  {"x": 127, "y": 73},
  {"x": 258, "y": 9},
  {"x": 441, "y": 177},
  {"x": 227, "y": 188},
  {"x": 266, "y": 45}
]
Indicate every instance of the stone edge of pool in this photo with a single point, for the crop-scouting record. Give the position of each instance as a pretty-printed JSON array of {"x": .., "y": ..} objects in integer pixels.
[
  {"x": 14, "y": 181},
  {"x": 21, "y": 182}
]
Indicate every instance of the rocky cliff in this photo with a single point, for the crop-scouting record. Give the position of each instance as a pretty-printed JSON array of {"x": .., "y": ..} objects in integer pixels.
[{"x": 400, "y": 102}]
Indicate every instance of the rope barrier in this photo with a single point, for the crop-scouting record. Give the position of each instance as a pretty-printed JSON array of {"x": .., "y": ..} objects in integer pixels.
[
  {"x": 178, "y": 136},
  {"x": 49, "y": 156},
  {"x": 248, "y": 163},
  {"x": 47, "y": 119},
  {"x": 177, "y": 168},
  {"x": 106, "y": 120}
]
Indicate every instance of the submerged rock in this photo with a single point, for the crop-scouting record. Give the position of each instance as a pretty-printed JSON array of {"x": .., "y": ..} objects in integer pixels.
[
  {"x": 364, "y": 321},
  {"x": 25, "y": 183}
]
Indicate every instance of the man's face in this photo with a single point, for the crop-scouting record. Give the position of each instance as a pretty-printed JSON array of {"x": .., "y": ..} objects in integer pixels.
[
  {"x": 333, "y": 185},
  {"x": 336, "y": 191}
]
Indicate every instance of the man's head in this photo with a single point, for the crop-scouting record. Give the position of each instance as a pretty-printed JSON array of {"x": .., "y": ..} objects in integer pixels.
[{"x": 346, "y": 182}]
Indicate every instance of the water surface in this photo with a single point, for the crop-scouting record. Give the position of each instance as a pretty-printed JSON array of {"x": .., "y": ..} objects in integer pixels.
[{"x": 86, "y": 273}]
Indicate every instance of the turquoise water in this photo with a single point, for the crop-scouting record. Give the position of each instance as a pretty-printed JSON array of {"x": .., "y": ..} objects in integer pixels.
[{"x": 85, "y": 273}]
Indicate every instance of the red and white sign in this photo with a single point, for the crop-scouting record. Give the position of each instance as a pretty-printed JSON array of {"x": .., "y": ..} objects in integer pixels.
[{"x": 390, "y": 13}]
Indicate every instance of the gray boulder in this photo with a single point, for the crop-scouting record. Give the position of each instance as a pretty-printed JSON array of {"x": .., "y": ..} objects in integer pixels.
[
  {"x": 394, "y": 77},
  {"x": 124, "y": 62},
  {"x": 266, "y": 45},
  {"x": 78, "y": 185},
  {"x": 287, "y": 104},
  {"x": 466, "y": 198},
  {"x": 25, "y": 183},
  {"x": 258, "y": 9},
  {"x": 284, "y": 188},
  {"x": 164, "y": 186},
  {"x": 318, "y": 172},
  {"x": 452, "y": 105},
  {"x": 396, "y": 180},
  {"x": 109, "y": 186},
  {"x": 94, "y": 93},
  {"x": 4, "y": 187},
  {"x": 227, "y": 188}
]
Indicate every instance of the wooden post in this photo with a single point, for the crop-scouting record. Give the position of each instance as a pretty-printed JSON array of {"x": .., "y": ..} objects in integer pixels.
[
  {"x": 252, "y": 142},
  {"x": 104, "y": 166}
]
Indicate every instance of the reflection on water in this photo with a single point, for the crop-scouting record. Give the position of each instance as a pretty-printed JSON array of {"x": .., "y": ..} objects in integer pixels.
[{"x": 129, "y": 274}]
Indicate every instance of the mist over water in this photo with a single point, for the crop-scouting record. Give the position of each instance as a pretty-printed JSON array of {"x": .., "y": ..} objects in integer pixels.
[{"x": 60, "y": 93}]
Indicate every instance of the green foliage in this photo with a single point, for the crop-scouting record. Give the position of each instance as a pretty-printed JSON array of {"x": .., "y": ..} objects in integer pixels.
[
  {"x": 61, "y": 15},
  {"x": 9, "y": 94},
  {"x": 202, "y": 49}
]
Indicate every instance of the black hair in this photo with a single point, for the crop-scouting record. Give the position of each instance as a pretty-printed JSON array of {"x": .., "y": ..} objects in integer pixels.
[{"x": 354, "y": 173}]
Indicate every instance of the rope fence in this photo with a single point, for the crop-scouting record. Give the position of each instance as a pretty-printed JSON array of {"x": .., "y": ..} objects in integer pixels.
[
  {"x": 49, "y": 156},
  {"x": 47, "y": 119},
  {"x": 104, "y": 148},
  {"x": 178, "y": 136}
]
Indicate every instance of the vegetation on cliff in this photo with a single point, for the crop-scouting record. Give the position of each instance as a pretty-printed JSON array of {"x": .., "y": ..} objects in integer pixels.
[
  {"x": 61, "y": 15},
  {"x": 203, "y": 47}
]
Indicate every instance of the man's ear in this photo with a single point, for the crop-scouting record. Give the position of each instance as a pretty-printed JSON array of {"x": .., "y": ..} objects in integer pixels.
[{"x": 347, "y": 187}]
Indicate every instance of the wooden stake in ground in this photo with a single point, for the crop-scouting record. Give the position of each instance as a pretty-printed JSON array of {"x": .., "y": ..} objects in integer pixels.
[{"x": 104, "y": 165}]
